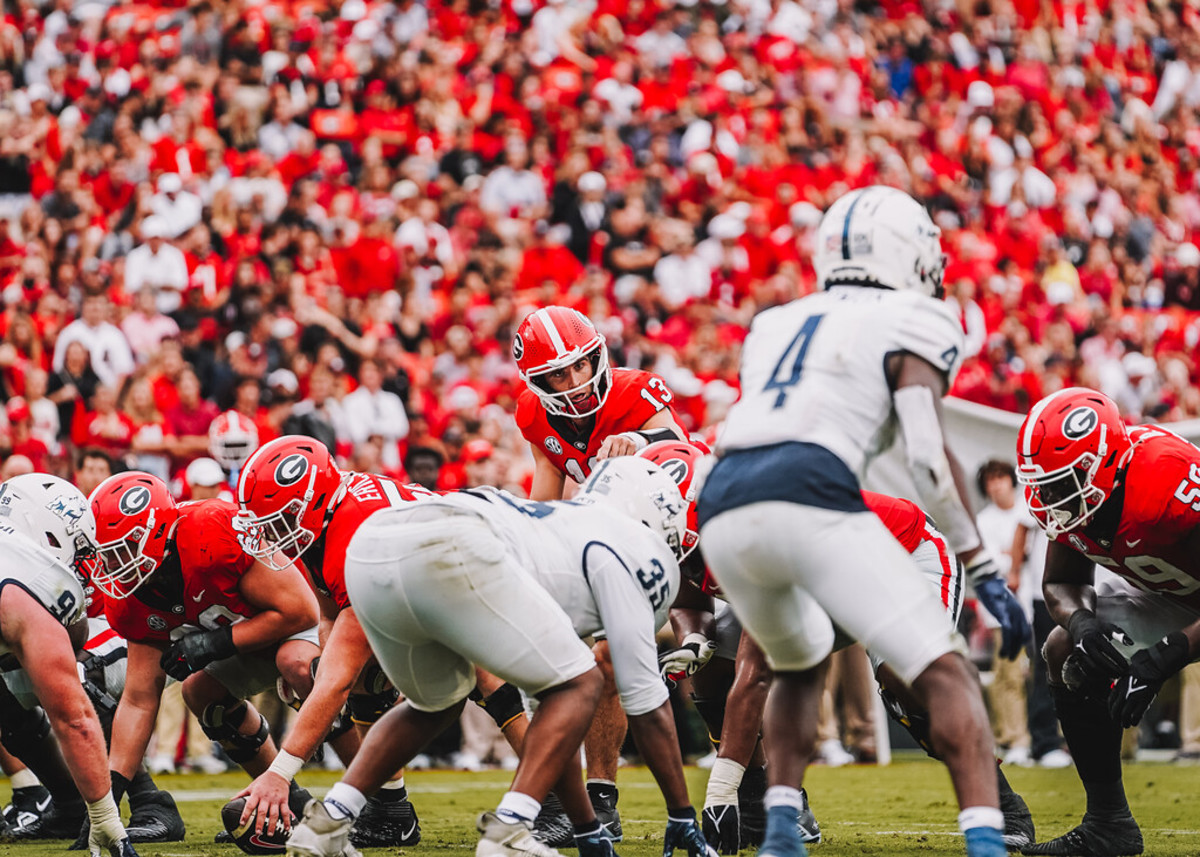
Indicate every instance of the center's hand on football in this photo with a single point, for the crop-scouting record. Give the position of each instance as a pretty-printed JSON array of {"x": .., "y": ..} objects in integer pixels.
[{"x": 268, "y": 796}]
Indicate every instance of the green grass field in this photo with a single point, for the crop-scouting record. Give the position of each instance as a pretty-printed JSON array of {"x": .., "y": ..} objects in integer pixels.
[{"x": 903, "y": 809}]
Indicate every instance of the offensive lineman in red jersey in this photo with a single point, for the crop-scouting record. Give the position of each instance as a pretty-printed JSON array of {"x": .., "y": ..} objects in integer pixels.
[
  {"x": 194, "y": 607},
  {"x": 577, "y": 410},
  {"x": 732, "y": 704},
  {"x": 294, "y": 500},
  {"x": 1129, "y": 500}
]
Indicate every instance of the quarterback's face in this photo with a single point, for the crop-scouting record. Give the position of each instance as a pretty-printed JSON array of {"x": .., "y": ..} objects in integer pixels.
[{"x": 575, "y": 375}]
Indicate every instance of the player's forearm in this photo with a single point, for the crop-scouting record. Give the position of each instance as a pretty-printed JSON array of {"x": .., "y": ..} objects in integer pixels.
[
  {"x": 270, "y": 628},
  {"x": 81, "y": 738},
  {"x": 133, "y": 724},
  {"x": 687, "y": 620},
  {"x": 1063, "y": 599},
  {"x": 658, "y": 743}
]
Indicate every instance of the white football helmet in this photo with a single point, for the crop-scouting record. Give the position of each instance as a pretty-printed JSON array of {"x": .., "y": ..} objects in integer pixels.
[
  {"x": 880, "y": 237},
  {"x": 643, "y": 491},
  {"x": 232, "y": 439},
  {"x": 52, "y": 512}
]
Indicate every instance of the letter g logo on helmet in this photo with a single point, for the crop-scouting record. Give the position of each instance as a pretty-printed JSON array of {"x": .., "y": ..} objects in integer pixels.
[
  {"x": 134, "y": 500},
  {"x": 291, "y": 469},
  {"x": 1080, "y": 423}
]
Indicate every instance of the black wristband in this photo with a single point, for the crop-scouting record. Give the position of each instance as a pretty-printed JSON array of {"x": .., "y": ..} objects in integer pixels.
[
  {"x": 222, "y": 639},
  {"x": 683, "y": 813},
  {"x": 654, "y": 435},
  {"x": 1081, "y": 623}
]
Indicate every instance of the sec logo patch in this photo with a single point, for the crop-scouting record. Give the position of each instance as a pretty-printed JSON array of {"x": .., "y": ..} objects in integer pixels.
[
  {"x": 156, "y": 623},
  {"x": 553, "y": 446}
]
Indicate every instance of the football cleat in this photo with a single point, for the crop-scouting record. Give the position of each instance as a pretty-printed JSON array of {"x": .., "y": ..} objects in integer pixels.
[
  {"x": 552, "y": 825},
  {"x": 1094, "y": 838},
  {"x": 55, "y": 821},
  {"x": 389, "y": 820},
  {"x": 319, "y": 834},
  {"x": 604, "y": 801},
  {"x": 155, "y": 818},
  {"x": 27, "y": 804},
  {"x": 810, "y": 831},
  {"x": 1018, "y": 821},
  {"x": 501, "y": 838}
]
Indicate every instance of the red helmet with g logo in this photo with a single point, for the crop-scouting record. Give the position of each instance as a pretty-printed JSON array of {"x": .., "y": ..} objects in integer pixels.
[
  {"x": 1069, "y": 451},
  {"x": 285, "y": 491},
  {"x": 556, "y": 338},
  {"x": 680, "y": 458},
  {"x": 135, "y": 516}
]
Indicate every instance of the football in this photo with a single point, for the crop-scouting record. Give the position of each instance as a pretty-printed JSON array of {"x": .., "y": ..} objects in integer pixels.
[{"x": 246, "y": 838}]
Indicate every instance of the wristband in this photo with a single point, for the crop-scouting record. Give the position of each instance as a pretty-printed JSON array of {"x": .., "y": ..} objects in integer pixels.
[
  {"x": 286, "y": 765},
  {"x": 104, "y": 816},
  {"x": 639, "y": 442}
]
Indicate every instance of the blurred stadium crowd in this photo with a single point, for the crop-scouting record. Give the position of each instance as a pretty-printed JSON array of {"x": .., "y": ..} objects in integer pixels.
[{"x": 331, "y": 217}]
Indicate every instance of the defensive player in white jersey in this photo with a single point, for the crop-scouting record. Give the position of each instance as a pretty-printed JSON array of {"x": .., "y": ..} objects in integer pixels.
[
  {"x": 481, "y": 578},
  {"x": 46, "y": 528},
  {"x": 827, "y": 381}
]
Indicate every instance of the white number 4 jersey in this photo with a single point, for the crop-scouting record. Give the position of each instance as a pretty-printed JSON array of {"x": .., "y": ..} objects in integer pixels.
[
  {"x": 814, "y": 370},
  {"x": 41, "y": 575}
]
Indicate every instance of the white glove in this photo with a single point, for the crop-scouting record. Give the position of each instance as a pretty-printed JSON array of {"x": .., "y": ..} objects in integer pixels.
[
  {"x": 694, "y": 653},
  {"x": 107, "y": 832}
]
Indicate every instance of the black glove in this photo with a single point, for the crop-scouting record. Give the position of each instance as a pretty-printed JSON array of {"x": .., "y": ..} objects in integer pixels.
[
  {"x": 1148, "y": 669},
  {"x": 1095, "y": 656},
  {"x": 196, "y": 651},
  {"x": 683, "y": 831},
  {"x": 722, "y": 826},
  {"x": 993, "y": 593}
]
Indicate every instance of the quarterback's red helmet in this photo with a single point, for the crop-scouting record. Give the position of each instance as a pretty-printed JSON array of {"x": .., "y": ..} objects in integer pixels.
[{"x": 556, "y": 338}]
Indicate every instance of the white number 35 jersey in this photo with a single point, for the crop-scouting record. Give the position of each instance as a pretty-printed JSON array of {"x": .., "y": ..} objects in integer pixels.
[{"x": 814, "y": 370}]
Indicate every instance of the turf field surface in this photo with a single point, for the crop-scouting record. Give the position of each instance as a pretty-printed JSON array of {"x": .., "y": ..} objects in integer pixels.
[{"x": 903, "y": 809}]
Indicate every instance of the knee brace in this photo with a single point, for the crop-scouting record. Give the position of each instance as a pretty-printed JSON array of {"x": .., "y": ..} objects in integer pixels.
[
  {"x": 366, "y": 708},
  {"x": 340, "y": 726},
  {"x": 712, "y": 712},
  {"x": 916, "y": 724},
  {"x": 503, "y": 705},
  {"x": 220, "y": 721}
]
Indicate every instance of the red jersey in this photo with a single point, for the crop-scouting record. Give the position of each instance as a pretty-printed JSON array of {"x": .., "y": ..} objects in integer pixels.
[
  {"x": 635, "y": 397},
  {"x": 1158, "y": 504},
  {"x": 366, "y": 493},
  {"x": 196, "y": 587},
  {"x": 903, "y": 518}
]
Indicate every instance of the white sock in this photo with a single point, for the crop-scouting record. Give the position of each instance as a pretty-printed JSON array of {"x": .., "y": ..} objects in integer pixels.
[
  {"x": 980, "y": 816},
  {"x": 783, "y": 796},
  {"x": 24, "y": 779},
  {"x": 344, "y": 801},
  {"x": 723, "y": 782},
  {"x": 394, "y": 784},
  {"x": 518, "y": 806}
]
